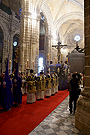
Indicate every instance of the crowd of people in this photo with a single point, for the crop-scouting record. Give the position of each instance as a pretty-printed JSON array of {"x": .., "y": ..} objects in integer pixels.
[
  {"x": 10, "y": 89},
  {"x": 13, "y": 86}
]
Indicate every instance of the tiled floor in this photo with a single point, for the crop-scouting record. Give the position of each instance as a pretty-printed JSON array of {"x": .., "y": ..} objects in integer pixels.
[{"x": 59, "y": 122}]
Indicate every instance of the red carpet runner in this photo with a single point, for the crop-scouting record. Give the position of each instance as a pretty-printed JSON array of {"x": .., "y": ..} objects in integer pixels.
[{"x": 23, "y": 119}]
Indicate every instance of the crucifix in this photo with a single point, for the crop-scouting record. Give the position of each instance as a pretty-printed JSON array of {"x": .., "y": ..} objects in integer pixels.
[{"x": 58, "y": 47}]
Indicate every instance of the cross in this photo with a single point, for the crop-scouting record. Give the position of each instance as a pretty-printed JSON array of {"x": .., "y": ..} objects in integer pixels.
[{"x": 58, "y": 47}]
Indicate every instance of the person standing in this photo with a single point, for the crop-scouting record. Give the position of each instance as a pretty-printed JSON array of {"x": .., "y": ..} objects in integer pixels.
[
  {"x": 53, "y": 84},
  {"x": 56, "y": 82},
  {"x": 23, "y": 83},
  {"x": 31, "y": 88},
  {"x": 17, "y": 84},
  {"x": 48, "y": 85},
  {"x": 73, "y": 92},
  {"x": 41, "y": 86},
  {"x": 6, "y": 86},
  {"x": 26, "y": 76},
  {"x": 0, "y": 91}
]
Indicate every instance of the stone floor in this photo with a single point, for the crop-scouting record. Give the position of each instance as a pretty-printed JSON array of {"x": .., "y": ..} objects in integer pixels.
[{"x": 59, "y": 122}]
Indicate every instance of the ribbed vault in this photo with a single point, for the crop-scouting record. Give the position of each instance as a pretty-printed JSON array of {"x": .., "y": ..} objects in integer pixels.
[{"x": 65, "y": 17}]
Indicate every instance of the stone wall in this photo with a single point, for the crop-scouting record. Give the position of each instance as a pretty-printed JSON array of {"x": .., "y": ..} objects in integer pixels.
[
  {"x": 82, "y": 114},
  {"x": 13, "y": 4},
  {"x": 10, "y": 26}
]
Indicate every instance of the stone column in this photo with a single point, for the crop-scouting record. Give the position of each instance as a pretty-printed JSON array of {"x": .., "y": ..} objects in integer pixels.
[
  {"x": 35, "y": 42},
  {"x": 82, "y": 114},
  {"x": 11, "y": 38},
  {"x": 5, "y": 50},
  {"x": 25, "y": 34},
  {"x": 46, "y": 49},
  {"x": 29, "y": 36},
  {"x": 50, "y": 43}
]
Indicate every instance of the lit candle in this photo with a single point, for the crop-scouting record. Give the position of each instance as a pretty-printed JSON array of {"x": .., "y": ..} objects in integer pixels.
[
  {"x": 61, "y": 57},
  {"x": 55, "y": 60},
  {"x": 49, "y": 70},
  {"x": 67, "y": 59},
  {"x": 33, "y": 63},
  {"x": 9, "y": 63},
  {"x": 27, "y": 63},
  {"x": 48, "y": 57}
]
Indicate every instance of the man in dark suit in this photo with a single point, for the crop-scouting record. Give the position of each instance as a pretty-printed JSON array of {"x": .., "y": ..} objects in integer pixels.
[{"x": 73, "y": 91}]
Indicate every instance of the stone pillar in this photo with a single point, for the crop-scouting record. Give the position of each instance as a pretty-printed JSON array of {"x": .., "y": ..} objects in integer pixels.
[
  {"x": 35, "y": 42},
  {"x": 5, "y": 50},
  {"x": 11, "y": 51},
  {"x": 25, "y": 35},
  {"x": 29, "y": 36},
  {"x": 11, "y": 38},
  {"x": 50, "y": 43},
  {"x": 82, "y": 114},
  {"x": 46, "y": 49},
  {"x": 8, "y": 44}
]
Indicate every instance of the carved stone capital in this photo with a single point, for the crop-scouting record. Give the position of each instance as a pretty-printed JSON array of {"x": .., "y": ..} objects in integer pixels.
[{"x": 27, "y": 14}]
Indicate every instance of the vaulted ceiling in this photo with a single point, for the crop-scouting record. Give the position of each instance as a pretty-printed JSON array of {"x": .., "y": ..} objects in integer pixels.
[{"x": 65, "y": 16}]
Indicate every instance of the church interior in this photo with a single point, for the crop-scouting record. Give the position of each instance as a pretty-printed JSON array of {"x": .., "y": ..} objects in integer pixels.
[{"x": 44, "y": 35}]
